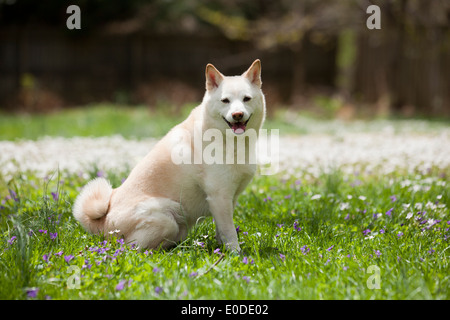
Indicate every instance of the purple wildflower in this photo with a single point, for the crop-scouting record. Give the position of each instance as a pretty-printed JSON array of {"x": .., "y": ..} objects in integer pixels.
[
  {"x": 282, "y": 256},
  {"x": 245, "y": 260},
  {"x": 43, "y": 231},
  {"x": 201, "y": 244},
  {"x": 330, "y": 248},
  {"x": 347, "y": 216},
  {"x": 296, "y": 226},
  {"x": 45, "y": 257},
  {"x": 246, "y": 279},
  {"x": 158, "y": 290},
  {"x": 13, "y": 238},
  {"x": 156, "y": 270},
  {"x": 59, "y": 253},
  {"x": 32, "y": 293},
  {"x": 267, "y": 199},
  {"x": 86, "y": 264},
  {"x": 367, "y": 231},
  {"x": 400, "y": 234},
  {"x": 53, "y": 235},
  {"x": 55, "y": 196},
  {"x": 393, "y": 198},
  {"x": 382, "y": 231},
  {"x": 378, "y": 253},
  {"x": 13, "y": 195},
  {"x": 103, "y": 250},
  {"x": 121, "y": 285},
  {"x": 68, "y": 258},
  {"x": 304, "y": 250},
  {"x": 389, "y": 212},
  {"x": 100, "y": 173}
]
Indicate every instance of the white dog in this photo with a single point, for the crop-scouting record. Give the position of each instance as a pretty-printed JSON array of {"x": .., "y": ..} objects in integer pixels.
[{"x": 161, "y": 199}]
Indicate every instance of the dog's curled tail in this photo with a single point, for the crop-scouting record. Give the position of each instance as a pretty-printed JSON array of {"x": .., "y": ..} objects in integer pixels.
[{"x": 92, "y": 204}]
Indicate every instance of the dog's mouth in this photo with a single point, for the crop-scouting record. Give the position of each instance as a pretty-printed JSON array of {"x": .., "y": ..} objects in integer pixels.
[{"x": 237, "y": 127}]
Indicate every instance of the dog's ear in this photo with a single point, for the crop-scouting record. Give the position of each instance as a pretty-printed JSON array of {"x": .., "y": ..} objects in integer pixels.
[
  {"x": 253, "y": 74},
  {"x": 213, "y": 77}
]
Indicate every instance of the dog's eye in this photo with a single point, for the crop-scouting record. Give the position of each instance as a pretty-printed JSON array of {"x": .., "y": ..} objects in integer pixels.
[
  {"x": 225, "y": 100},
  {"x": 247, "y": 99}
]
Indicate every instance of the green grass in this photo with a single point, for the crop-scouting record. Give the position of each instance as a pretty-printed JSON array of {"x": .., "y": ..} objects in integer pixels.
[
  {"x": 97, "y": 120},
  {"x": 136, "y": 122},
  {"x": 303, "y": 237},
  {"x": 333, "y": 265}
]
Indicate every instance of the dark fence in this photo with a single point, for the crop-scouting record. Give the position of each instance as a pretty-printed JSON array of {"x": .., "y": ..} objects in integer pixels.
[{"x": 43, "y": 68}]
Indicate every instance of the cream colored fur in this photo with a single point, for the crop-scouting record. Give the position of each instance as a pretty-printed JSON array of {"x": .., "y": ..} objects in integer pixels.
[{"x": 161, "y": 200}]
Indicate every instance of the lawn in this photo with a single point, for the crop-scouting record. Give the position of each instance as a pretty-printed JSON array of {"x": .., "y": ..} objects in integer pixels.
[{"x": 337, "y": 234}]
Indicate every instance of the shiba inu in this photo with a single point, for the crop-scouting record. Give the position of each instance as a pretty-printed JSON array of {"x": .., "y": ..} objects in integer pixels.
[{"x": 162, "y": 199}]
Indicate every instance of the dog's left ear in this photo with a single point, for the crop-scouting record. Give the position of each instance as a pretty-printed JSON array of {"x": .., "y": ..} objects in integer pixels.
[{"x": 253, "y": 74}]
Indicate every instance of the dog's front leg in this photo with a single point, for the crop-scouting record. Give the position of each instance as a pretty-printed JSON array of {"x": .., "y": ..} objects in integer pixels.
[{"x": 222, "y": 211}]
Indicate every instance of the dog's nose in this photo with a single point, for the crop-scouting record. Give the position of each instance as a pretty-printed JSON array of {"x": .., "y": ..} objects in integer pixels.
[{"x": 237, "y": 115}]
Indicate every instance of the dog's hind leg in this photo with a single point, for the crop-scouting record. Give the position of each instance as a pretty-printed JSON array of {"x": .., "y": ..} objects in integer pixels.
[{"x": 158, "y": 224}]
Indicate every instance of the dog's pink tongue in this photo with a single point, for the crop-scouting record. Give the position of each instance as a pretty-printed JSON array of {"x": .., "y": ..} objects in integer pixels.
[{"x": 238, "y": 128}]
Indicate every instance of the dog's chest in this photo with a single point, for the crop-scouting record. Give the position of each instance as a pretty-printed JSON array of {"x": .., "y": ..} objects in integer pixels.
[{"x": 226, "y": 181}]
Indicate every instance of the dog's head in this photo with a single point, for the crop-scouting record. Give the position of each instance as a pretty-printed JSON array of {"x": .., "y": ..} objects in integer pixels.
[{"x": 237, "y": 102}]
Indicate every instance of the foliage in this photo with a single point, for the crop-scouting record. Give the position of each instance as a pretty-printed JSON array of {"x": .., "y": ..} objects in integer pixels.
[
  {"x": 301, "y": 239},
  {"x": 303, "y": 235}
]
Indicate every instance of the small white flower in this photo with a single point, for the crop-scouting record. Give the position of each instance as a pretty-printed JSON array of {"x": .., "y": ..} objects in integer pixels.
[
  {"x": 363, "y": 198},
  {"x": 198, "y": 243},
  {"x": 316, "y": 196},
  {"x": 114, "y": 231},
  {"x": 409, "y": 215},
  {"x": 344, "y": 206}
]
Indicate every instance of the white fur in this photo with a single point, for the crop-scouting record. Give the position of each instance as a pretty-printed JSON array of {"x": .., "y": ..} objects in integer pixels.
[{"x": 160, "y": 200}]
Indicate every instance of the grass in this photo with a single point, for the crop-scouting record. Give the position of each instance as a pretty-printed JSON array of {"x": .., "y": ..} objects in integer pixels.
[
  {"x": 303, "y": 237},
  {"x": 141, "y": 122},
  {"x": 296, "y": 244}
]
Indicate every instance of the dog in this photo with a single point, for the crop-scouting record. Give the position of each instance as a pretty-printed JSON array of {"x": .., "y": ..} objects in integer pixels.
[{"x": 162, "y": 199}]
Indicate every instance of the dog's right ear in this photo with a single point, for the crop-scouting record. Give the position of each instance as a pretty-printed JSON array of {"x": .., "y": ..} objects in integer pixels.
[{"x": 213, "y": 77}]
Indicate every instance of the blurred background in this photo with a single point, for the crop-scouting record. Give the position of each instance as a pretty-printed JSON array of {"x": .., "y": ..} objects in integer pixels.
[{"x": 317, "y": 56}]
